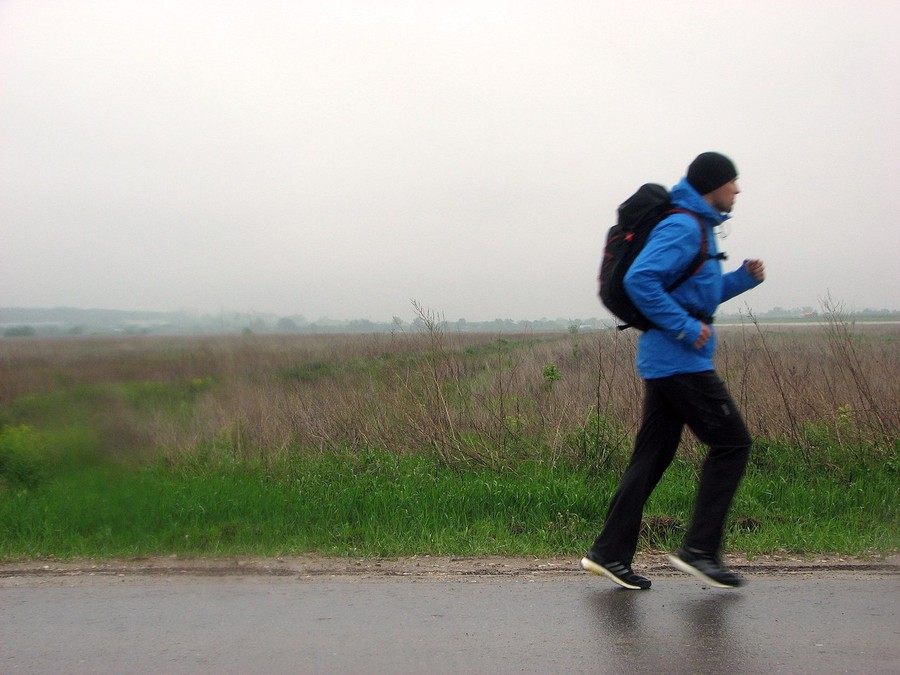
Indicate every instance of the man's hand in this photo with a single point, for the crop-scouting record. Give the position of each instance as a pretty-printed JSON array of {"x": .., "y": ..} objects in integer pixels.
[
  {"x": 756, "y": 268},
  {"x": 705, "y": 334}
]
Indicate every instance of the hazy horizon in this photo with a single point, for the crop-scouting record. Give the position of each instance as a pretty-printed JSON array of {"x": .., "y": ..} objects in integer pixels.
[
  {"x": 344, "y": 158},
  {"x": 65, "y": 313}
]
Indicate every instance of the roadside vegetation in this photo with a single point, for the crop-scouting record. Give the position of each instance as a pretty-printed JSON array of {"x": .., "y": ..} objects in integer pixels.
[{"x": 426, "y": 442}]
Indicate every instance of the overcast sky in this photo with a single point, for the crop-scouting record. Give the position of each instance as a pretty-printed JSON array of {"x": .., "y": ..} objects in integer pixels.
[{"x": 340, "y": 159}]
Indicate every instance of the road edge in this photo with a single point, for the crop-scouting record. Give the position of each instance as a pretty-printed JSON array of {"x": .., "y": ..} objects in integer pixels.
[{"x": 312, "y": 566}]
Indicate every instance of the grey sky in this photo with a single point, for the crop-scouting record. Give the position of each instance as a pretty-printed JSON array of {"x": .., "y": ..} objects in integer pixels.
[{"x": 342, "y": 158}]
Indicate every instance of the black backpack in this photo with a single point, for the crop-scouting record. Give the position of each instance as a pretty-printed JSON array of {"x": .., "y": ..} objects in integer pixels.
[{"x": 637, "y": 216}]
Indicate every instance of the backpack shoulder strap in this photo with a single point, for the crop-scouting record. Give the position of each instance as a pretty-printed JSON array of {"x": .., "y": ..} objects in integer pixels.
[{"x": 701, "y": 257}]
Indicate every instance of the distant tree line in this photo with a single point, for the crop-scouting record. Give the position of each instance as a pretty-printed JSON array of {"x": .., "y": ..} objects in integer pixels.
[{"x": 25, "y": 323}]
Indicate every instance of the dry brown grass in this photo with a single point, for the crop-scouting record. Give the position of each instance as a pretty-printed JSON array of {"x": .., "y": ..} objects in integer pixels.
[{"x": 468, "y": 397}]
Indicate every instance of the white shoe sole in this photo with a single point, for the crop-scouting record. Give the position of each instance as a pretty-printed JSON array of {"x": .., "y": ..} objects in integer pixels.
[
  {"x": 590, "y": 566},
  {"x": 679, "y": 564}
]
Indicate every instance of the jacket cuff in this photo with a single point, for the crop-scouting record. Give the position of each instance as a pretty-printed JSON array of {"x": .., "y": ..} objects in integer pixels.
[
  {"x": 690, "y": 332},
  {"x": 751, "y": 280}
]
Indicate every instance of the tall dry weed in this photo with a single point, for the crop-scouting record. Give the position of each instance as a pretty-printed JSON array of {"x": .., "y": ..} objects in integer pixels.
[{"x": 469, "y": 398}]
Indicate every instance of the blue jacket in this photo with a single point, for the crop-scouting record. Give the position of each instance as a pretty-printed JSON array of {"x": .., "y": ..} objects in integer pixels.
[{"x": 673, "y": 244}]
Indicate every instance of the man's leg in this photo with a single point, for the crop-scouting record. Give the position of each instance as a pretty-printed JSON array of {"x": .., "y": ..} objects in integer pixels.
[
  {"x": 714, "y": 418},
  {"x": 716, "y": 421},
  {"x": 654, "y": 448}
]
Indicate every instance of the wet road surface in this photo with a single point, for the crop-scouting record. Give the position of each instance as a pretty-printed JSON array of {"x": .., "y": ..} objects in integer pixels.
[{"x": 574, "y": 623}]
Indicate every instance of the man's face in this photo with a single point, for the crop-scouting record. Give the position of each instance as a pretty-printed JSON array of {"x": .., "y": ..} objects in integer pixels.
[{"x": 722, "y": 199}]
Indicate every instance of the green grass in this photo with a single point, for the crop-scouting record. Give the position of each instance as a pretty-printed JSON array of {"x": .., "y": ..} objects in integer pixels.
[
  {"x": 379, "y": 503},
  {"x": 411, "y": 446}
]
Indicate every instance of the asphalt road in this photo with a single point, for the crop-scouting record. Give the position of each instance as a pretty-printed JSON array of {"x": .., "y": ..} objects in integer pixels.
[{"x": 834, "y": 622}]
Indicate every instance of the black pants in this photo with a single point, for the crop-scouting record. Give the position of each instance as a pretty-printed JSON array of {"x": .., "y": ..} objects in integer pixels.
[{"x": 701, "y": 401}]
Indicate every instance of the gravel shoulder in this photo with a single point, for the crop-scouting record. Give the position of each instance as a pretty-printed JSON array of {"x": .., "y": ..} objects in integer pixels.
[{"x": 432, "y": 567}]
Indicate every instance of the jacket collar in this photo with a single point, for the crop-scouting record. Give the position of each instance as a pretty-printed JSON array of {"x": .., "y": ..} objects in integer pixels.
[{"x": 684, "y": 196}]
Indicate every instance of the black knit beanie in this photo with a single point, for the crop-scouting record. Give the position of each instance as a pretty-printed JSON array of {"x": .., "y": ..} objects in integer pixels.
[{"x": 710, "y": 171}]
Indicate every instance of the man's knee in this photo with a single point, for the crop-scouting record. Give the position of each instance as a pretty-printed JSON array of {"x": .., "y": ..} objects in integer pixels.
[{"x": 736, "y": 454}]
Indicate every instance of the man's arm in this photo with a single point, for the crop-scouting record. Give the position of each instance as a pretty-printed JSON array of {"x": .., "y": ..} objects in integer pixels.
[
  {"x": 749, "y": 275},
  {"x": 672, "y": 246}
]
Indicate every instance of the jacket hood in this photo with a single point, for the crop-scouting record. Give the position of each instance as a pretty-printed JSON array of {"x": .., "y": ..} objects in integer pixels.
[{"x": 684, "y": 196}]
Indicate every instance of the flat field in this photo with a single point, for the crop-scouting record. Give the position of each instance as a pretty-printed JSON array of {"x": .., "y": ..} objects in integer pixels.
[{"x": 425, "y": 442}]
